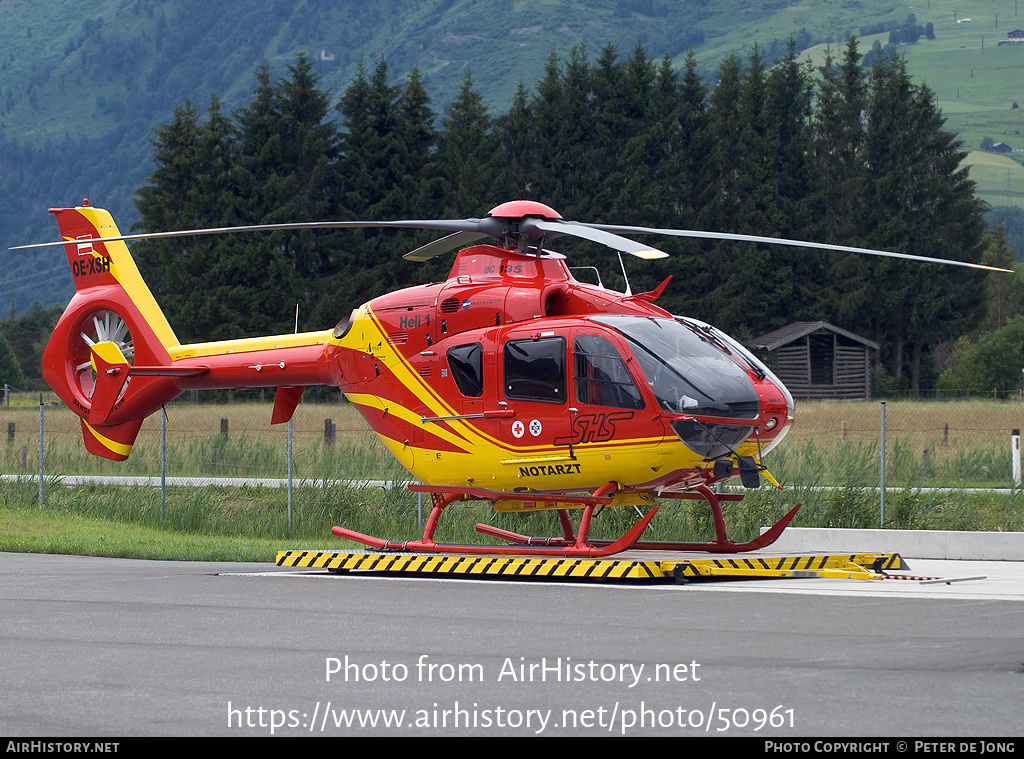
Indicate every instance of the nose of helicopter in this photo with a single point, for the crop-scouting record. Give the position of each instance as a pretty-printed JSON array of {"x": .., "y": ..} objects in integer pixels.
[
  {"x": 712, "y": 436},
  {"x": 776, "y": 416}
]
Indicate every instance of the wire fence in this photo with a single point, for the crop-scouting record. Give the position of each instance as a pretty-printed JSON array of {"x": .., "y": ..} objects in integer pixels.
[
  {"x": 953, "y": 443},
  {"x": 197, "y": 443}
]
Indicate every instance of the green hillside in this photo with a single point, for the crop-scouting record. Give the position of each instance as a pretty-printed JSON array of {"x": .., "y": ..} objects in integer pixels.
[
  {"x": 83, "y": 85},
  {"x": 975, "y": 79},
  {"x": 999, "y": 178}
]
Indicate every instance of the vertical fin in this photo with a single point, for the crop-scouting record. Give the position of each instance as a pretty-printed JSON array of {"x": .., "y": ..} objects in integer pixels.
[
  {"x": 112, "y": 442},
  {"x": 110, "y": 263},
  {"x": 111, "y": 323},
  {"x": 111, "y": 369},
  {"x": 285, "y": 400}
]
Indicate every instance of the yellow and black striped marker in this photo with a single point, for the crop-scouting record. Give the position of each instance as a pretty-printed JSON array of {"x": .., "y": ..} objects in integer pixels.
[{"x": 624, "y": 567}]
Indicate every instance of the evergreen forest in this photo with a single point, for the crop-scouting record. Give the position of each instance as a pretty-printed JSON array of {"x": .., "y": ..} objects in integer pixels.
[{"x": 841, "y": 153}]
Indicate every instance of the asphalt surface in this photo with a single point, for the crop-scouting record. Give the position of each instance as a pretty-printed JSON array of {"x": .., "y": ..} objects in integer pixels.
[{"x": 109, "y": 647}]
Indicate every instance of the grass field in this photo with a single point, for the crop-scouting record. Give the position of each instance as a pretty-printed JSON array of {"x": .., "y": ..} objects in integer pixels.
[
  {"x": 976, "y": 81},
  {"x": 829, "y": 462},
  {"x": 999, "y": 178},
  {"x": 252, "y": 448},
  {"x": 968, "y": 442}
]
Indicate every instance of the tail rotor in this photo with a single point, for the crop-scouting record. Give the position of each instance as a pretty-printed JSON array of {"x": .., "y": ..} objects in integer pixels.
[
  {"x": 99, "y": 326},
  {"x": 111, "y": 322}
]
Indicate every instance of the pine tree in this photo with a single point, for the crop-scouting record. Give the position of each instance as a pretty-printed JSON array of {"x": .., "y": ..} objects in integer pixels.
[
  {"x": 513, "y": 134},
  {"x": 693, "y": 190},
  {"x": 303, "y": 187},
  {"x": 468, "y": 155},
  {"x": 838, "y": 190},
  {"x": 1004, "y": 295},
  {"x": 788, "y": 115},
  {"x": 923, "y": 203},
  {"x": 418, "y": 175},
  {"x": 388, "y": 171},
  {"x": 544, "y": 177},
  {"x": 10, "y": 369},
  {"x": 749, "y": 284},
  {"x": 166, "y": 202},
  {"x": 838, "y": 148}
]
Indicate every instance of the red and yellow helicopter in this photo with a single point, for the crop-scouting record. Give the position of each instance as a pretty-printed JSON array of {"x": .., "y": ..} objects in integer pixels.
[{"x": 509, "y": 382}]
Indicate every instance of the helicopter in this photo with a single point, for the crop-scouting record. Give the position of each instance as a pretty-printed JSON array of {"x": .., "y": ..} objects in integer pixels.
[{"x": 509, "y": 382}]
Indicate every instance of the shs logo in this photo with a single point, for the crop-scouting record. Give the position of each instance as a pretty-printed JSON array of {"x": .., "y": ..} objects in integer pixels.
[{"x": 594, "y": 428}]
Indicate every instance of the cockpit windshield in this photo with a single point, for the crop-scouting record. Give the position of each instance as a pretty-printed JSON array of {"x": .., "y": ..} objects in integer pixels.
[
  {"x": 750, "y": 358},
  {"x": 687, "y": 372}
]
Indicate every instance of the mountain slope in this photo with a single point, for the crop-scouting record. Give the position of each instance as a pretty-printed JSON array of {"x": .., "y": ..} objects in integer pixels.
[{"x": 82, "y": 86}]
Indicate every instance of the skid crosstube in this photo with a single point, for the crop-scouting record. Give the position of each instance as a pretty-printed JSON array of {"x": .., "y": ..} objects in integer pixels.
[
  {"x": 870, "y": 566},
  {"x": 575, "y": 541}
]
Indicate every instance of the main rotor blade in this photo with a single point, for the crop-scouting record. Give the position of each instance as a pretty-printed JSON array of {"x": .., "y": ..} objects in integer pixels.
[
  {"x": 783, "y": 241},
  {"x": 589, "y": 232},
  {"x": 442, "y": 246},
  {"x": 456, "y": 225}
]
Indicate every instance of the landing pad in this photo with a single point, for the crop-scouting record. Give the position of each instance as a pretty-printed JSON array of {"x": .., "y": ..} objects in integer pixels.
[{"x": 629, "y": 565}]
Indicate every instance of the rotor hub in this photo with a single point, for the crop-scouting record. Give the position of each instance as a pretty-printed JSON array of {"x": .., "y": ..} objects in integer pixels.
[{"x": 517, "y": 209}]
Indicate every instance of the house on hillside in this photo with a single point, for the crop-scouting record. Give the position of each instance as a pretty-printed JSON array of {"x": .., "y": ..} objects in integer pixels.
[
  {"x": 818, "y": 360},
  {"x": 1000, "y": 147}
]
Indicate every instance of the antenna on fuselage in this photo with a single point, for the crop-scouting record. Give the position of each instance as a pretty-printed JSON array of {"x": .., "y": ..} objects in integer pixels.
[{"x": 623, "y": 266}]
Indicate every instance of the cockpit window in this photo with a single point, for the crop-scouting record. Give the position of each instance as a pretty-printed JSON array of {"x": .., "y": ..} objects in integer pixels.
[
  {"x": 535, "y": 369},
  {"x": 755, "y": 363},
  {"x": 688, "y": 373},
  {"x": 601, "y": 375}
]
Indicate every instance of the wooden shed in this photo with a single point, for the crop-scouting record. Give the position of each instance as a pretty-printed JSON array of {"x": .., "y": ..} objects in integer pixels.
[{"x": 818, "y": 360}]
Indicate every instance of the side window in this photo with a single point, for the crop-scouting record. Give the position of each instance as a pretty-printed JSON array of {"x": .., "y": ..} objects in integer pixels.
[
  {"x": 535, "y": 369},
  {"x": 601, "y": 376},
  {"x": 467, "y": 365}
]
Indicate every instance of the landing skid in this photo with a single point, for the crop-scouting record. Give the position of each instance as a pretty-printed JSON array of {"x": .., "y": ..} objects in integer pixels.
[{"x": 574, "y": 542}]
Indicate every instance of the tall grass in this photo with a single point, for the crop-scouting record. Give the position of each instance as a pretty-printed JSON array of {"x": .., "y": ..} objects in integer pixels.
[
  {"x": 830, "y": 467},
  {"x": 831, "y": 443},
  {"x": 259, "y": 515}
]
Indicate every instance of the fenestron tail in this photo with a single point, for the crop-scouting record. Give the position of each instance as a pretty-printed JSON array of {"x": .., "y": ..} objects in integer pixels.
[
  {"x": 111, "y": 323},
  {"x": 114, "y": 360}
]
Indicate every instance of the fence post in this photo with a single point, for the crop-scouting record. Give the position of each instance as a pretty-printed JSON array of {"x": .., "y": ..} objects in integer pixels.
[
  {"x": 882, "y": 471},
  {"x": 1015, "y": 447},
  {"x": 163, "y": 461},
  {"x": 290, "y": 470},
  {"x": 40, "y": 450}
]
